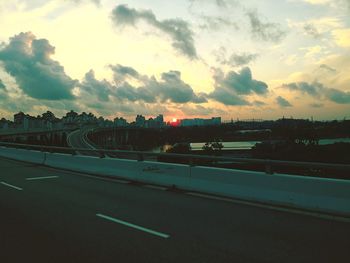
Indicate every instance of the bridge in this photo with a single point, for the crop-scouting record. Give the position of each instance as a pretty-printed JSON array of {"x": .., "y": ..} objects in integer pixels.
[
  {"x": 37, "y": 136},
  {"x": 60, "y": 206}
]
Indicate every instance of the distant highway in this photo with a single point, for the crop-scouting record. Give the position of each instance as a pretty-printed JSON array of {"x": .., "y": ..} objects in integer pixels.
[
  {"x": 49, "y": 215},
  {"x": 78, "y": 139}
]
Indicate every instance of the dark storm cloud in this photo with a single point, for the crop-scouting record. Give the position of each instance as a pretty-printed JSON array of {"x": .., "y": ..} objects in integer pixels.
[
  {"x": 227, "y": 97},
  {"x": 265, "y": 31},
  {"x": 230, "y": 88},
  {"x": 242, "y": 83},
  {"x": 178, "y": 29},
  {"x": 170, "y": 87},
  {"x": 28, "y": 60},
  {"x": 312, "y": 89},
  {"x": 319, "y": 91},
  {"x": 101, "y": 89},
  {"x": 282, "y": 102},
  {"x": 173, "y": 88},
  {"x": 122, "y": 71},
  {"x": 338, "y": 96},
  {"x": 2, "y": 85},
  {"x": 131, "y": 93},
  {"x": 241, "y": 59},
  {"x": 311, "y": 30}
]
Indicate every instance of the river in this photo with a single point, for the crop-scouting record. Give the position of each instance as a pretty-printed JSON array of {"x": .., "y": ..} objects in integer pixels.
[{"x": 244, "y": 145}]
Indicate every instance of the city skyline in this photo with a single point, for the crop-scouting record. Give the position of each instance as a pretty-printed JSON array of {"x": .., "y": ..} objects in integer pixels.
[
  {"x": 185, "y": 59},
  {"x": 166, "y": 119}
]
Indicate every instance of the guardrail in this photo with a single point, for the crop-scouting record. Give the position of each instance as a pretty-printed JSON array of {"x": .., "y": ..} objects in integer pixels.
[{"x": 192, "y": 158}]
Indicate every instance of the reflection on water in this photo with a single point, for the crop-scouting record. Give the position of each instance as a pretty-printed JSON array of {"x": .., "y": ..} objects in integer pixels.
[
  {"x": 197, "y": 146},
  {"x": 246, "y": 145},
  {"x": 331, "y": 141}
]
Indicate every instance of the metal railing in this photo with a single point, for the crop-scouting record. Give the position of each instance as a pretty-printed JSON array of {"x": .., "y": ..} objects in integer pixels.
[{"x": 191, "y": 159}]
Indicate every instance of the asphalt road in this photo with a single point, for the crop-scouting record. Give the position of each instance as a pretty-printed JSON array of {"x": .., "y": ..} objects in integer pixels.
[
  {"x": 48, "y": 215},
  {"x": 77, "y": 139}
]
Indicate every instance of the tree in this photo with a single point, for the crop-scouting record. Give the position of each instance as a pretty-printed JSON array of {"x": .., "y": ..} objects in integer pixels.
[{"x": 213, "y": 148}]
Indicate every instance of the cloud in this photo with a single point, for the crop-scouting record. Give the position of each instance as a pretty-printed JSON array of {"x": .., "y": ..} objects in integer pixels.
[
  {"x": 120, "y": 72},
  {"x": 311, "y": 30},
  {"x": 342, "y": 37},
  {"x": 170, "y": 88},
  {"x": 328, "y": 68},
  {"x": 216, "y": 22},
  {"x": 241, "y": 59},
  {"x": 347, "y": 2},
  {"x": 218, "y": 3},
  {"x": 332, "y": 2},
  {"x": 236, "y": 59},
  {"x": 282, "y": 102},
  {"x": 243, "y": 83},
  {"x": 199, "y": 110},
  {"x": 319, "y": 91},
  {"x": 227, "y": 97},
  {"x": 230, "y": 88},
  {"x": 177, "y": 29},
  {"x": 96, "y": 2},
  {"x": 2, "y": 85},
  {"x": 131, "y": 93},
  {"x": 316, "y": 105},
  {"x": 176, "y": 90},
  {"x": 28, "y": 60},
  {"x": 312, "y": 89},
  {"x": 34, "y": 4},
  {"x": 266, "y": 31},
  {"x": 259, "y": 103},
  {"x": 101, "y": 89},
  {"x": 338, "y": 96}
]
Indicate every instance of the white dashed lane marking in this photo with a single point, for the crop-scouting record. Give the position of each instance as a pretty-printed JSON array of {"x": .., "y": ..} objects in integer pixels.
[
  {"x": 12, "y": 186},
  {"x": 41, "y": 178}
]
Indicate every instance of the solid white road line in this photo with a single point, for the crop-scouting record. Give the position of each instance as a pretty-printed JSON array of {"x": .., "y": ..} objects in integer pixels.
[
  {"x": 275, "y": 208},
  {"x": 149, "y": 231},
  {"x": 12, "y": 186},
  {"x": 41, "y": 178},
  {"x": 156, "y": 187}
]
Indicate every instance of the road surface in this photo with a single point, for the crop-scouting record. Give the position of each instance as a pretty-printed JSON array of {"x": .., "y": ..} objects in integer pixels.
[
  {"x": 48, "y": 215},
  {"x": 78, "y": 139}
]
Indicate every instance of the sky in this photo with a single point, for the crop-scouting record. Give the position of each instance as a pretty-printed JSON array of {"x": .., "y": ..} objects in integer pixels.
[{"x": 183, "y": 58}]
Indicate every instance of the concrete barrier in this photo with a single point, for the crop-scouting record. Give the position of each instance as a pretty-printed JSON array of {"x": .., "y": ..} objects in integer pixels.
[
  {"x": 30, "y": 156},
  {"x": 100, "y": 166},
  {"x": 310, "y": 193},
  {"x": 165, "y": 174},
  {"x": 148, "y": 172}
]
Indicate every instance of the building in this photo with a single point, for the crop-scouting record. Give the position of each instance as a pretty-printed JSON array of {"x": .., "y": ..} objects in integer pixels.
[
  {"x": 140, "y": 121},
  {"x": 201, "y": 122},
  {"x": 157, "y": 122},
  {"x": 4, "y": 124},
  {"x": 120, "y": 122}
]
